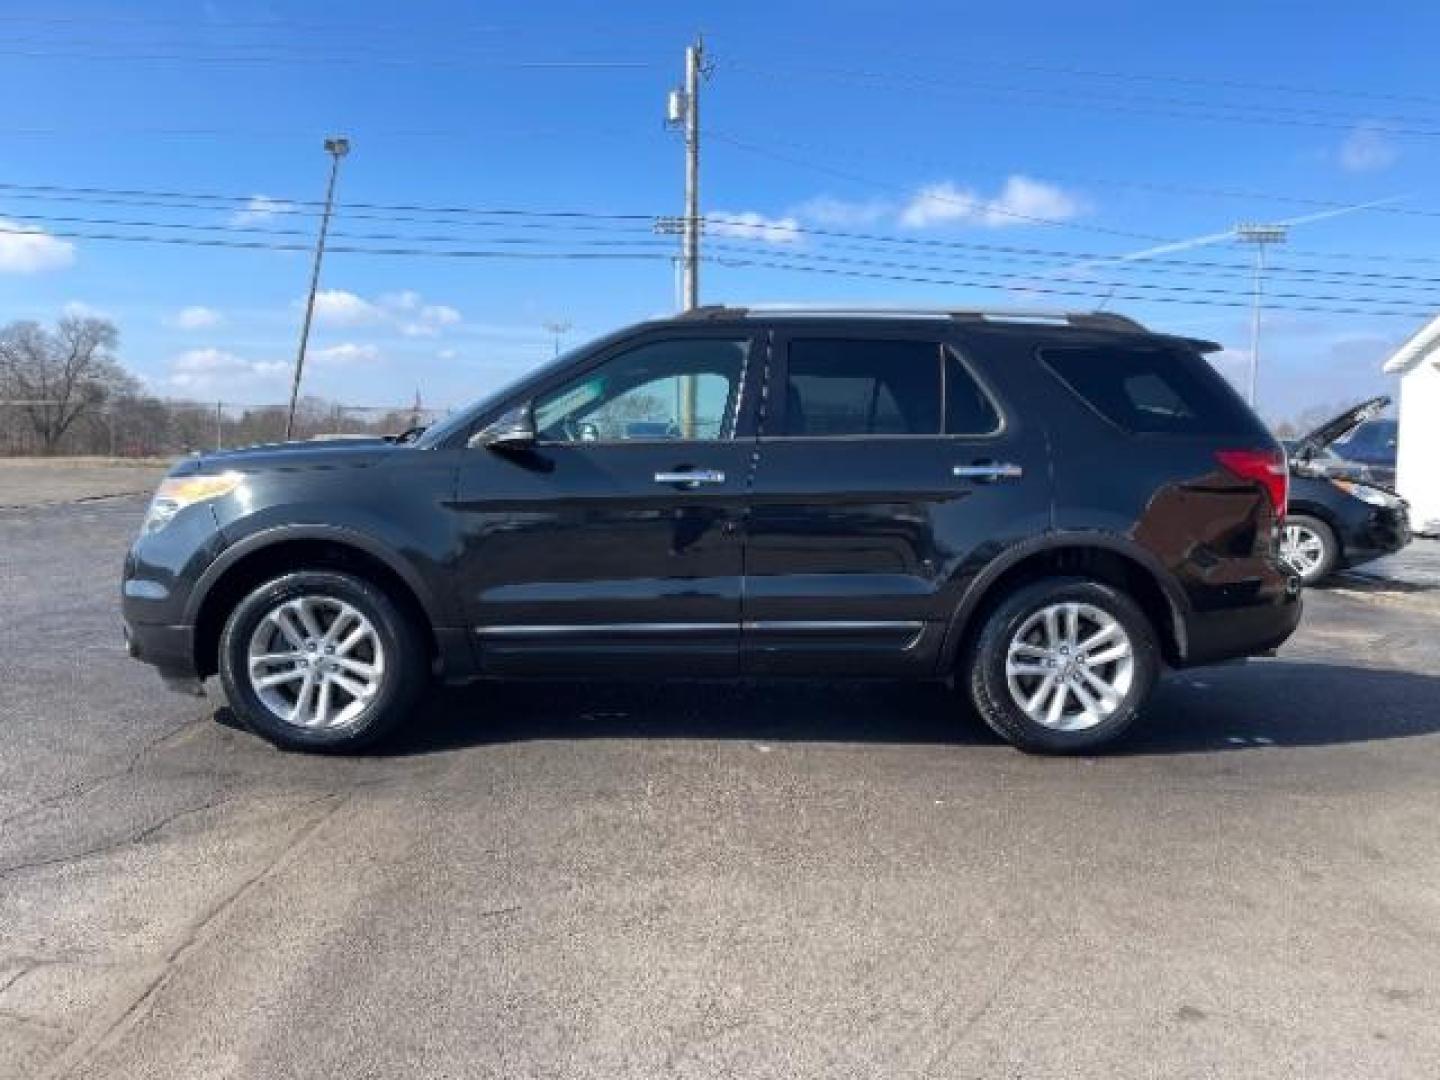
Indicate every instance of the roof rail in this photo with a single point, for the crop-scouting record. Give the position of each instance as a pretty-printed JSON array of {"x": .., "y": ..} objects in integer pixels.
[{"x": 1099, "y": 320}]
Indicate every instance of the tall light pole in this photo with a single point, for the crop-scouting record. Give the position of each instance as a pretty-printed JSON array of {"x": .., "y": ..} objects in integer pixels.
[
  {"x": 1261, "y": 236},
  {"x": 559, "y": 328},
  {"x": 336, "y": 148}
]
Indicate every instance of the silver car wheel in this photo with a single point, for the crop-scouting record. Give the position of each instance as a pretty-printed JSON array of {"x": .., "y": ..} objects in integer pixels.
[
  {"x": 315, "y": 662},
  {"x": 1070, "y": 666},
  {"x": 1304, "y": 549}
]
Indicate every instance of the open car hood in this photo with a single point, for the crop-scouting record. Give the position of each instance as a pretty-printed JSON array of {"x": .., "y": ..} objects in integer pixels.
[{"x": 1336, "y": 429}]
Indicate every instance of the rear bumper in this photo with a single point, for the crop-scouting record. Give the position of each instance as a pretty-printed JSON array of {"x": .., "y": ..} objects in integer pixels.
[{"x": 1241, "y": 631}]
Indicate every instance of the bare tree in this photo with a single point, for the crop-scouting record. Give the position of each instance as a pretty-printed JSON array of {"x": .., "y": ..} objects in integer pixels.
[{"x": 60, "y": 375}]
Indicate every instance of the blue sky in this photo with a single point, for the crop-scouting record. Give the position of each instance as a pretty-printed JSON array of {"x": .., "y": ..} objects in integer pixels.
[{"x": 1023, "y": 147}]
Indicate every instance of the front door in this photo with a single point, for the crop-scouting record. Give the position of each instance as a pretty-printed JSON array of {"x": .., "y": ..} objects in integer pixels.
[
  {"x": 614, "y": 544},
  {"x": 887, "y": 470}
]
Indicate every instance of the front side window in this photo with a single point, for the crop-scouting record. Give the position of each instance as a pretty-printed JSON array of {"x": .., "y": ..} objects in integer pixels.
[{"x": 675, "y": 389}]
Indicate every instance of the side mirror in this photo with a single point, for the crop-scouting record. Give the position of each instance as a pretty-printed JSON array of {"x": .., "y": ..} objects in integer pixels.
[{"x": 513, "y": 430}]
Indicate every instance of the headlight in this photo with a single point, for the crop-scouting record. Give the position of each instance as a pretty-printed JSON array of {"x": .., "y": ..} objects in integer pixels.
[
  {"x": 177, "y": 492},
  {"x": 1367, "y": 494}
]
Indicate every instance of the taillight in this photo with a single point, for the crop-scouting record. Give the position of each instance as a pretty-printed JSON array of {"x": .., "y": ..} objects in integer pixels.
[{"x": 1268, "y": 468}]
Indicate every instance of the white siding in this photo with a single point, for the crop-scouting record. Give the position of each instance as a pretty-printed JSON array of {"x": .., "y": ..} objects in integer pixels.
[{"x": 1418, "y": 459}]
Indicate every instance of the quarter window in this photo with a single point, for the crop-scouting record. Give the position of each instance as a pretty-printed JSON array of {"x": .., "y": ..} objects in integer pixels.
[
  {"x": 678, "y": 389},
  {"x": 1150, "y": 388}
]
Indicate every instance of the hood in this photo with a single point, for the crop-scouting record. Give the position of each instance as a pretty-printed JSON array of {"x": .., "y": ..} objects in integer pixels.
[
  {"x": 314, "y": 454},
  {"x": 1335, "y": 429}
]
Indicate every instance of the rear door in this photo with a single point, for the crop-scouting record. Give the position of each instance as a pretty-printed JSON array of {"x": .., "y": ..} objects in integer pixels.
[{"x": 888, "y": 471}]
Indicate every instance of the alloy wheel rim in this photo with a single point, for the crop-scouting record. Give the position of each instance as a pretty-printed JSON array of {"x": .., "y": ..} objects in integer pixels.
[
  {"x": 315, "y": 662},
  {"x": 1303, "y": 549},
  {"x": 1070, "y": 666}
]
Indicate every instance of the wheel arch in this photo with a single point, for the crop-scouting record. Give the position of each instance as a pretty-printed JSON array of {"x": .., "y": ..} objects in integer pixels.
[
  {"x": 274, "y": 552},
  {"x": 1113, "y": 559}
]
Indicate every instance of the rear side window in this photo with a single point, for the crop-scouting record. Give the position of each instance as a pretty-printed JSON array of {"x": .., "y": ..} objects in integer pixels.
[
  {"x": 1151, "y": 388},
  {"x": 845, "y": 386}
]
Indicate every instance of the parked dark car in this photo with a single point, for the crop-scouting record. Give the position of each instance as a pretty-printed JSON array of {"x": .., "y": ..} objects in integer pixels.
[
  {"x": 1048, "y": 508},
  {"x": 1374, "y": 446},
  {"x": 1340, "y": 515}
]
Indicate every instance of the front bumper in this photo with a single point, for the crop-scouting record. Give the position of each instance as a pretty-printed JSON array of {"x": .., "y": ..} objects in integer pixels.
[
  {"x": 1384, "y": 531},
  {"x": 169, "y": 649}
]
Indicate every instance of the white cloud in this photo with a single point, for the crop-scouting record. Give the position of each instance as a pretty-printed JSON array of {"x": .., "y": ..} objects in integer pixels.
[
  {"x": 27, "y": 250},
  {"x": 447, "y": 354},
  {"x": 212, "y": 370},
  {"x": 753, "y": 225},
  {"x": 827, "y": 210},
  {"x": 432, "y": 318},
  {"x": 346, "y": 354},
  {"x": 79, "y": 309},
  {"x": 406, "y": 311},
  {"x": 195, "y": 317},
  {"x": 336, "y": 307},
  {"x": 260, "y": 208},
  {"x": 1368, "y": 149},
  {"x": 1021, "y": 200},
  {"x": 404, "y": 300}
]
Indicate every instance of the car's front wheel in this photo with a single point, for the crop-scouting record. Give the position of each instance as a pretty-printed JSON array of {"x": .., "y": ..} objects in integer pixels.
[
  {"x": 1063, "y": 665},
  {"x": 320, "y": 660},
  {"x": 1310, "y": 547}
]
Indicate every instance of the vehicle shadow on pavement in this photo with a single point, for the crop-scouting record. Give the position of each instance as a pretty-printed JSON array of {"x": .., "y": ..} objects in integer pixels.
[{"x": 1233, "y": 707}]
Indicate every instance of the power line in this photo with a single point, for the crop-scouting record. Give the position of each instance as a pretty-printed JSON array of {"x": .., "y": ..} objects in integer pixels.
[
  {"x": 1162, "y": 293},
  {"x": 1178, "y": 108},
  {"x": 763, "y": 151},
  {"x": 524, "y": 217},
  {"x": 1019, "y": 284},
  {"x": 972, "y": 204},
  {"x": 1048, "y": 291},
  {"x": 1097, "y": 181},
  {"x": 388, "y": 61}
]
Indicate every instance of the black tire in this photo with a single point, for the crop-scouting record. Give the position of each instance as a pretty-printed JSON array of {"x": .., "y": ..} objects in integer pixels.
[
  {"x": 1330, "y": 548},
  {"x": 406, "y": 667},
  {"x": 990, "y": 687}
]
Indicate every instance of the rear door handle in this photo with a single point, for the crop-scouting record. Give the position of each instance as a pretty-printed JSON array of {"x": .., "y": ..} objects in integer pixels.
[
  {"x": 987, "y": 471},
  {"x": 691, "y": 477}
]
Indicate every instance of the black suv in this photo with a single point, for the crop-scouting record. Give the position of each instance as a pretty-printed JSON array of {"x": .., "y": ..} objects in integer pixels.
[{"x": 1046, "y": 507}]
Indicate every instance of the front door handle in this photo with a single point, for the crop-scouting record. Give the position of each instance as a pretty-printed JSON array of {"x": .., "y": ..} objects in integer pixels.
[
  {"x": 989, "y": 471},
  {"x": 691, "y": 477}
]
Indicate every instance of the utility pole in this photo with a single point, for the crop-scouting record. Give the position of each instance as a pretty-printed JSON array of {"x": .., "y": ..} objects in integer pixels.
[
  {"x": 683, "y": 107},
  {"x": 1261, "y": 236},
  {"x": 336, "y": 148},
  {"x": 219, "y": 429}
]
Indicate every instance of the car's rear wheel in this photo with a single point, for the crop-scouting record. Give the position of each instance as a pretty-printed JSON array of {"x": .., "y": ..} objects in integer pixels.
[
  {"x": 1309, "y": 546},
  {"x": 320, "y": 660},
  {"x": 1063, "y": 665}
]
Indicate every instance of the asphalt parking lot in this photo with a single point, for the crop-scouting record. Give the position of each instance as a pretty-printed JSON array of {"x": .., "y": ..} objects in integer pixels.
[{"x": 716, "y": 880}]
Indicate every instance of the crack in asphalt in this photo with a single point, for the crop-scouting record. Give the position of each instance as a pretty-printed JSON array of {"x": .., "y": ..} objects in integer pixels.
[
  {"x": 114, "y": 845},
  {"x": 112, "y": 1026},
  {"x": 92, "y": 784}
]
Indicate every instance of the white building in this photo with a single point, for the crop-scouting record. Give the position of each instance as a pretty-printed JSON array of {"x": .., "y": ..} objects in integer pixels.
[{"x": 1417, "y": 362}]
